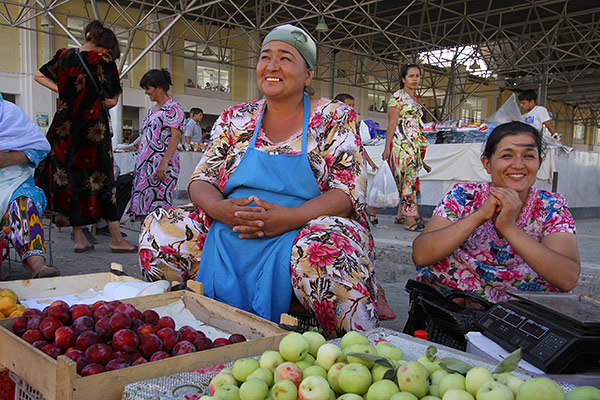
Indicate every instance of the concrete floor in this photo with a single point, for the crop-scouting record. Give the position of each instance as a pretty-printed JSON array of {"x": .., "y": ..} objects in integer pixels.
[{"x": 393, "y": 265}]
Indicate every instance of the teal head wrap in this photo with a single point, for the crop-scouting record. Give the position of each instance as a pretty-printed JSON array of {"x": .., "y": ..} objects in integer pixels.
[{"x": 296, "y": 37}]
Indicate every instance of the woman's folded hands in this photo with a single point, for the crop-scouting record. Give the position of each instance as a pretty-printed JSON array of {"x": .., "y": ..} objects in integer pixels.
[{"x": 268, "y": 219}]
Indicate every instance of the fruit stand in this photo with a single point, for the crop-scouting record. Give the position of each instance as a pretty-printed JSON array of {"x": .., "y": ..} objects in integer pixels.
[{"x": 58, "y": 378}]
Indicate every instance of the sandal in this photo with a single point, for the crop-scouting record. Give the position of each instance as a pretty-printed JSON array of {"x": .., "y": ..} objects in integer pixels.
[
  {"x": 420, "y": 220},
  {"x": 417, "y": 227},
  {"x": 373, "y": 220},
  {"x": 400, "y": 221},
  {"x": 46, "y": 272}
]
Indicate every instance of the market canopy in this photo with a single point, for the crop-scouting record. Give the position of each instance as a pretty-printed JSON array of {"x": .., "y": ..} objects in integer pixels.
[{"x": 548, "y": 45}]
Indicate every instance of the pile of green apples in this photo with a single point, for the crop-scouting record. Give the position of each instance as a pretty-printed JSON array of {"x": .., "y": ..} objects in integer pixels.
[{"x": 306, "y": 367}]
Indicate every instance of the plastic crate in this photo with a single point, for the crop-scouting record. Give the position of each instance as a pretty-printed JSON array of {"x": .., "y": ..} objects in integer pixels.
[
  {"x": 22, "y": 390},
  {"x": 7, "y": 386}
]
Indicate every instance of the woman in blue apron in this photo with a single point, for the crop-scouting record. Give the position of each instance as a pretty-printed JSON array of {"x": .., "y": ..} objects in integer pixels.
[{"x": 279, "y": 203}]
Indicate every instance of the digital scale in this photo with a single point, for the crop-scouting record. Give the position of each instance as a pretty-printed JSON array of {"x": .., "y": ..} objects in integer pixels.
[{"x": 557, "y": 332}]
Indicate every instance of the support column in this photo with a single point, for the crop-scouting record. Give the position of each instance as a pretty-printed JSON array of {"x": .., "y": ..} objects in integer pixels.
[
  {"x": 28, "y": 67},
  {"x": 116, "y": 122}
]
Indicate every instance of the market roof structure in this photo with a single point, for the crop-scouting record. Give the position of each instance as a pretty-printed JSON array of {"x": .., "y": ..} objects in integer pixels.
[{"x": 549, "y": 45}]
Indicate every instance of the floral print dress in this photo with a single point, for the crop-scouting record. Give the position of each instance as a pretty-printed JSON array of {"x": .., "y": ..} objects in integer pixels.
[
  {"x": 332, "y": 257},
  {"x": 150, "y": 193},
  {"x": 77, "y": 176},
  {"x": 409, "y": 141},
  {"x": 486, "y": 264}
]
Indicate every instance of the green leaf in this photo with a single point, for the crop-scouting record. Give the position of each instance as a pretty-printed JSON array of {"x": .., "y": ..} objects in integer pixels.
[
  {"x": 510, "y": 363},
  {"x": 372, "y": 358},
  {"x": 431, "y": 353},
  {"x": 452, "y": 364},
  {"x": 390, "y": 375}
]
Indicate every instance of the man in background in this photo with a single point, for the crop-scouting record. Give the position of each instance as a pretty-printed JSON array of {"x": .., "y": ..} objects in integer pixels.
[
  {"x": 536, "y": 116},
  {"x": 193, "y": 132}
]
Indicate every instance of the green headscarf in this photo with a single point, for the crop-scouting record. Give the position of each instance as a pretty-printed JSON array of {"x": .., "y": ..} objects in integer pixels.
[{"x": 296, "y": 37}]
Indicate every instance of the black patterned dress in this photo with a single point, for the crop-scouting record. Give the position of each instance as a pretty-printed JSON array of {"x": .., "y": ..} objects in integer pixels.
[{"x": 77, "y": 175}]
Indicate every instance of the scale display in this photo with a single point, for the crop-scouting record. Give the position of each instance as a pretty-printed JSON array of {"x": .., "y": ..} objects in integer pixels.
[{"x": 558, "y": 333}]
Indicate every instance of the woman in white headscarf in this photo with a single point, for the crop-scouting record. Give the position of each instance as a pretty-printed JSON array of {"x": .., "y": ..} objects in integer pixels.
[{"x": 22, "y": 147}]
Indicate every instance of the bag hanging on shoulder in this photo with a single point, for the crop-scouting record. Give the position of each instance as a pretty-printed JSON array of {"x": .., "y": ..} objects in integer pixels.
[
  {"x": 383, "y": 192},
  {"x": 445, "y": 321},
  {"x": 95, "y": 83}
]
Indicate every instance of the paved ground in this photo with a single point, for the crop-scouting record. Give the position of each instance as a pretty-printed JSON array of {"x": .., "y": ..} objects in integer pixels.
[{"x": 393, "y": 264}]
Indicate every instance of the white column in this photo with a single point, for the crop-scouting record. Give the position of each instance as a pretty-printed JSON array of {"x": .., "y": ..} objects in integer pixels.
[
  {"x": 25, "y": 100},
  {"x": 116, "y": 121}
]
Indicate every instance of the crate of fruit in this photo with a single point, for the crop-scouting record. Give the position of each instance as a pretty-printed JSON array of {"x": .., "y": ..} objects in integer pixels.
[{"x": 126, "y": 341}]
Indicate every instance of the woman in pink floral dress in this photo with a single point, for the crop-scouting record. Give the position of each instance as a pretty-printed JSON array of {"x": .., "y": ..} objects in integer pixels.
[
  {"x": 157, "y": 163},
  {"x": 330, "y": 262},
  {"x": 491, "y": 238}
]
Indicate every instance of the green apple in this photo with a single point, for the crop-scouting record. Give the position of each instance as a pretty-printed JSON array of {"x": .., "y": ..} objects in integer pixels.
[
  {"x": 314, "y": 370},
  {"x": 288, "y": 371},
  {"x": 303, "y": 364},
  {"x": 262, "y": 373},
  {"x": 332, "y": 394},
  {"x": 254, "y": 389},
  {"x": 434, "y": 390},
  {"x": 451, "y": 381},
  {"x": 386, "y": 349},
  {"x": 333, "y": 374},
  {"x": 412, "y": 377},
  {"x": 431, "y": 366},
  {"x": 222, "y": 378},
  {"x": 378, "y": 371},
  {"x": 350, "y": 396},
  {"x": 353, "y": 337},
  {"x": 309, "y": 358},
  {"x": 403, "y": 396},
  {"x": 457, "y": 394},
  {"x": 293, "y": 347},
  {"x": 327, "y": 355},
  {"x": 476, "y": 377},
  {"x": 270, "y": 359},
  {"x": 355, "y": 378},
  {"x": 206, "y": 397},
  {"x": 540, "y": 389},
  {"x": 228, "y": 392},
  {"x": 514, "y": 384},
  {"x": 382, "y": 390},
  {"x": 314, "y": 388},
  {"x": 284, "y": 390},
  {"x": 430, "y": 397},
  {"x": 437, "y": 376},
  {"x": 315, "y": 340},
  {"x": 359, "y": 348},
  {"x": 492, "y": 390},
  {"x": 244, "y": 367},
  {"x": 501, "y": 377},
  {"x": 584, "y": 393}
]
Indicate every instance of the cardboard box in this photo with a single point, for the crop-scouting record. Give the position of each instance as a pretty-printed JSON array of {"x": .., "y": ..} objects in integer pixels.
[{"x": 58, "y": 379}]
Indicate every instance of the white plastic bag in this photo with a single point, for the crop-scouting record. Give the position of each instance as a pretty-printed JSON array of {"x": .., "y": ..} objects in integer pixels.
[
  {"x": 507, "y": 113},
  {"x": 383, "y": 192}
]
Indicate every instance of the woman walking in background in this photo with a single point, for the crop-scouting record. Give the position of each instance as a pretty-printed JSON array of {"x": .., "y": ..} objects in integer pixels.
[
  {"x": 157, "y": 165},
  {"x": 404, "y": 142},
  {"x": 77, "y": 176}
]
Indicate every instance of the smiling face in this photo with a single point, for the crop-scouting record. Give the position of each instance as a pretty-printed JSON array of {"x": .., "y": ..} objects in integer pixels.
[
  {"x": 281, "y": 71},
  {"x": 514, "y": 163},
  {"x": 412, "y": 78}
]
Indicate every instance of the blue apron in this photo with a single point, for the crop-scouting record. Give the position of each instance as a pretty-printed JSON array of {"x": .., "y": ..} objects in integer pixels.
[{"x": 254, "y": 274}]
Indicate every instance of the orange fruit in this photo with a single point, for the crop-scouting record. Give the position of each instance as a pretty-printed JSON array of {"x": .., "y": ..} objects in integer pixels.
[
  {"x": 7, "y": 304},
  {"x": 2, "y": 315},
  {"x": 8, "y": 292},
  {"x": 16, "y": 313}
]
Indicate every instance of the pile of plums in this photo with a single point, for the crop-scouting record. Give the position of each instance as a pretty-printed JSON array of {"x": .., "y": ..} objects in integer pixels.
[{"x": 109, "y": 335}]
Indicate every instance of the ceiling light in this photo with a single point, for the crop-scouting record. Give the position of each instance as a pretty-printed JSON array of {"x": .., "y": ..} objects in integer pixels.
[
  {"x": 475, "y": 66},
  {"x": 207, "y": 52},
  {"x": 45, "y": 21},
  {"x": 322, "y": 26}
]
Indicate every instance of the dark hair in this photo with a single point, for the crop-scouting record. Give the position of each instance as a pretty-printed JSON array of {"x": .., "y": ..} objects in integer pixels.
[
  {"x": 96, "y": 33},
  {"x": 528, "y": 95},
  {"x": 195, "y": 110},
  {"x": 404, "y": 71},
  {"x": 157, "y": 78},
  {"x": 513, "y": 128},
  {"x": 343, "y": 97}
]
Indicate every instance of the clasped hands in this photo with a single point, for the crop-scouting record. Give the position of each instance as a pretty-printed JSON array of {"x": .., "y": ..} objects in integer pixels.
[
  {"x": 264, "y": 219},
  {"x": 503, "y": 207}
]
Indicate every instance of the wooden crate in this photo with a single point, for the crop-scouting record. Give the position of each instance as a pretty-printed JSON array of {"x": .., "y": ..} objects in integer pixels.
[
  {"x": 58, "y": 379},
  {"x": 63, "y": 285}
]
